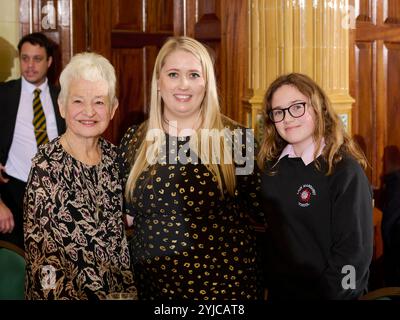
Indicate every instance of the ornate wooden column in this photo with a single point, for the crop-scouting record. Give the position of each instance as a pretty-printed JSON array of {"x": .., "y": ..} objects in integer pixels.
[{"x": 307, "y": 36}]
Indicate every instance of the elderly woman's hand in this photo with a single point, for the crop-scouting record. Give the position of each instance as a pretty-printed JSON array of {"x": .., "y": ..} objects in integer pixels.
[{"x": 6, "y": 218}]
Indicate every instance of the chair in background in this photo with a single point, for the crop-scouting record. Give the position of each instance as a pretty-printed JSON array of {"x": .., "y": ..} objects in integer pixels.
[
  {"x": 12, "y": 272},
  {"x": 387, "y": 293}
]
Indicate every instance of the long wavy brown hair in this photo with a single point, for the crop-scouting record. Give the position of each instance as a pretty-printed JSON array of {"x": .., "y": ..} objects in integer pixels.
[{"x": 328, "y": 126}]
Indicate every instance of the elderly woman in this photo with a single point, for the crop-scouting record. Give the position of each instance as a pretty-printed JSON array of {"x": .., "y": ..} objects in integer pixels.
[
  {"x": 73, "y": 225},
  {"x": 191, "y": 207}
]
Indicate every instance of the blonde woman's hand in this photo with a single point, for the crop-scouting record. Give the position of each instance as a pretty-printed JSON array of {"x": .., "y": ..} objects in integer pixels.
[{"x": 128, "y": 220}]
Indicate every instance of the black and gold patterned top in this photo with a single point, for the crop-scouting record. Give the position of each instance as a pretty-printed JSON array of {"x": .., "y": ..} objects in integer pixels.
[
  {"x": 188, "y": 241},
  {"x": 75, "y": 241}
]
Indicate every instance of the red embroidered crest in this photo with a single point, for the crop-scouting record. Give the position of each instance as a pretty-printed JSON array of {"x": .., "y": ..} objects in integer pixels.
[{"x": 304, "y": 194}]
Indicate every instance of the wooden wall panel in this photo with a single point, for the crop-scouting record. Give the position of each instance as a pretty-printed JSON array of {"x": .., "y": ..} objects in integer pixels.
[
  {"x": 391, "y": 12},
  {"x": 392, "y": 112},
  {"x": 99, "y": 25},
  {"x": 234, "y": 46},
  {"x": 204, "y": 19},
  {"x": 365, "y": 10},
  {"x": 80, "y": 26},
  {"x": 374, "y": 81},
  {"x": 364, "y": 95},
  {"x": 127, "y": 15},
  {"x": 205, "y": 8},
  {"x": 131, "y": 91},
  {"x": 208, "y": 19},
  {"x": 161, "y": 18}
]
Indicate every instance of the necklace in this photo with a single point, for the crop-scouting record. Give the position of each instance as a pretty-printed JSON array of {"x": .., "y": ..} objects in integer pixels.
[{"x": 97, "y": 189}]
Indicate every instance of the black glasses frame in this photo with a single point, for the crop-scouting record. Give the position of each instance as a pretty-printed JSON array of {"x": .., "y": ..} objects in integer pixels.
[{"x": 271, "y": 117}]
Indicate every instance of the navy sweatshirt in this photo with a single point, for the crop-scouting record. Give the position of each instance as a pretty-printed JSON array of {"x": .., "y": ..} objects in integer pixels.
[{"x": 319, "y": 228}]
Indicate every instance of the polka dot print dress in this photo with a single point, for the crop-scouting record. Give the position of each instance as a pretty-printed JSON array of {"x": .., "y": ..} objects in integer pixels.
[{"x": 188, "y": 241}]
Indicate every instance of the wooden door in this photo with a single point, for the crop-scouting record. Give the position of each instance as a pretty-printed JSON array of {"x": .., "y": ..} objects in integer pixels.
[
  {"x": 130, "y": 34},
  {"x": 375, "y": 78}
]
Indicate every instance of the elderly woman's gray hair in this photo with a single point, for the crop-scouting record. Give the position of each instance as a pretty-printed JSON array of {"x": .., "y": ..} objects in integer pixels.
[{"x": 88, "y": 66}]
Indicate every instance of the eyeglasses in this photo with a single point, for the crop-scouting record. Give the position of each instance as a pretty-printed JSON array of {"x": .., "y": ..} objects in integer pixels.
[{"x": 296, "y": 110}]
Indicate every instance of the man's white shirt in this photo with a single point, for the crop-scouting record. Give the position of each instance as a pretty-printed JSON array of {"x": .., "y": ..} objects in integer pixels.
[{"x": 24, "y": 147}]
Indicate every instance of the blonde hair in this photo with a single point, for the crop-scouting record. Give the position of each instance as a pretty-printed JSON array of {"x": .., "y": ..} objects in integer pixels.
[
  {"x": 88, "y": 66},
  {"x": 328, "y": 125},
  {"x": 211, "y": 118}
]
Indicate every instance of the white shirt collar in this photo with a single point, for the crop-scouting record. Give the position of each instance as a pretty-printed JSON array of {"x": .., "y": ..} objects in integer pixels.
[
  {"x": 29, "y": 87},
  {"x": 308, "y": 154}
]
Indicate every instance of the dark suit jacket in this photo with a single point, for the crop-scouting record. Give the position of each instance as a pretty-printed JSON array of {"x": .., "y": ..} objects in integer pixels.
[
  {"x": 12, "y": 193},
  {"x": 10, "y": 93}
]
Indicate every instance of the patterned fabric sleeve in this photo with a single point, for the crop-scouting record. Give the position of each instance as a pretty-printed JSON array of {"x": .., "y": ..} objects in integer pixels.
[
  {"x": 125, "y": 154},
  {"x": 45, "y": 275}
]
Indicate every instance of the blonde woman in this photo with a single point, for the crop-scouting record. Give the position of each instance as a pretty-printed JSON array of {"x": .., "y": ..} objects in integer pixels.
[
  {"x": 74, "y": 232},
  {"x": 190, "y": 204}
]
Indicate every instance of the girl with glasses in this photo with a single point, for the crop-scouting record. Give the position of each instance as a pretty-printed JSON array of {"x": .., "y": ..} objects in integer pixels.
[{"x": 317, "y": 198}]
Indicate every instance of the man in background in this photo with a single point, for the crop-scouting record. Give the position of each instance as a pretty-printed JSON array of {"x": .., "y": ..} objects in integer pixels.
[{"x": 29, "y": 118}]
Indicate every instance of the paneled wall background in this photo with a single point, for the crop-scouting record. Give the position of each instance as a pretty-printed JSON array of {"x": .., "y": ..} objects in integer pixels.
[
  {"x": 130, "y": 32},
  {"x": 375, "y": 78},
  {"x": 253, "y": 41}
]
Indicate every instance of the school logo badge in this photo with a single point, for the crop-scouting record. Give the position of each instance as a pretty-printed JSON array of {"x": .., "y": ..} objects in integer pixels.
[{"x": 304, "y": 194}]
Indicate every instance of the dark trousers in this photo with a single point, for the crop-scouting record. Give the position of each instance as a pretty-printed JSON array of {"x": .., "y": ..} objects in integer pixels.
[{"x": 12, "y": 194}]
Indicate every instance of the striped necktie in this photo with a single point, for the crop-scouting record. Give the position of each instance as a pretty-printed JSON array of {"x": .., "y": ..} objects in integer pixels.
[{"x": 39, "y": 120}]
